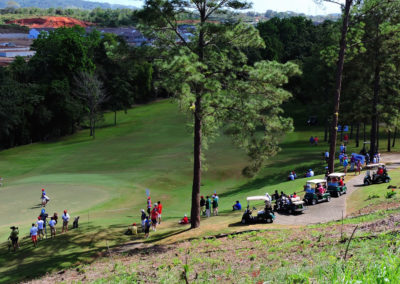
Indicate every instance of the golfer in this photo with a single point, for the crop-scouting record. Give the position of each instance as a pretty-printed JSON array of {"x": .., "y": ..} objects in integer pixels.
[
  {"x": 43, "y": 216},
  {"x": 215, "y": 206},
  {"x": 65, "y": 218},
  {"x": 33, "y": 234}
]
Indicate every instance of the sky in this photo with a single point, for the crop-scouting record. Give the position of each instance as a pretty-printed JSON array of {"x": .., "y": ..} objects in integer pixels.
[{"x": 308, "y": 7}]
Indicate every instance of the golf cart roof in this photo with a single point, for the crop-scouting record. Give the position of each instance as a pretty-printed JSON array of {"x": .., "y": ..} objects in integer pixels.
[
  {"x": 254, "y": 198},
  {"x": 337, "y": 175},
  {"x": 375, "y": 165},
  {"x": 316, "y": 181}
]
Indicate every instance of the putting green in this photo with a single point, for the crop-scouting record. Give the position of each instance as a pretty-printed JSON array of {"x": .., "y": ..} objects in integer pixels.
[{"x": 21, "y": 203}]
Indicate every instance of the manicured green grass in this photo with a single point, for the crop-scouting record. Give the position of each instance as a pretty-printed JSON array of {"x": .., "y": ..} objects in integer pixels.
[
  {"x": 104, "y": 181},
  {"x": 375, "y": 194}
]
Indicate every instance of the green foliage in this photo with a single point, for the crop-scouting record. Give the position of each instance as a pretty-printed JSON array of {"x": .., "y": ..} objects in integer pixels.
[{"x": 390, "y": 194}]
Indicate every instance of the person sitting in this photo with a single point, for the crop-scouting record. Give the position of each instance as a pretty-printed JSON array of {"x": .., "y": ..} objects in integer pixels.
[
  {"x": 320, "y": 189},
  {"x": 185, "y": 220},
  {"x": 341, "y": 182},
  {"x": 294, "y": 195},
  {"x": 291, "y": 176},
  {"x": 237, "y": 206},
  {"x": 380, "y": 171},
  {"x": 132, "y": 230},
  {"x": 308, "y": 189},
  {"x": 311, "y": 172}
]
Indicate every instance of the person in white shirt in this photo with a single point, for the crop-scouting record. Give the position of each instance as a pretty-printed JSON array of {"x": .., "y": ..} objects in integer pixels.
[
  {"x": 33, "y": 234},
  {"x": 52, "y": 225},
  {"x": 40, "y": 225},
  {"x": 65, "y": 218}
]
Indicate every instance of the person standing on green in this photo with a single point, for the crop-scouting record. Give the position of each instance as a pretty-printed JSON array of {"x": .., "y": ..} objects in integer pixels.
[
  {"x": 215, "y": 206},
  {"x": 208, "y": 206}
]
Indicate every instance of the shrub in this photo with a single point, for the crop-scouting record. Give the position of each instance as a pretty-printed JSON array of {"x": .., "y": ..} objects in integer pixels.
[{"x": 390, "y": 194}]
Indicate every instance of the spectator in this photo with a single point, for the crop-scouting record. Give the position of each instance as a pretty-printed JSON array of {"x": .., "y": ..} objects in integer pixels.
[
  {"x": 202, "y": 205},
  {"x": 147, "y": 225},
  {"x": 291, "y": 176},
  {"x": 327, "y": 156},
  {"x": 159, "y": 211},
  {"x": 312, "y": 140},
  {"x": 65, "y": 218},
  {"x": 33, "y": 234},
  {"x": 143, "y": 218},
  {"x": 154, "y": 217},
  {"x": 40, "y": 226},
  {"x": 148, "y": 205},
  {"x": 316, "y": 140},
  {"x": 208, "y": 206},
  {"x": 352, "y": 162},
  {"x": 345, "y": 164},
  {"x": 43, "y": 216},
  {"x": 215, "y": 206},
  {"x": 14, "y": 237},
  {"x": 237, "y": 206},
  {"x": 359, "y": 167},
  {"x": 52, "y": 225},
  {"x": 184, "y": 221},
  {"x": 346, "y": 139}
]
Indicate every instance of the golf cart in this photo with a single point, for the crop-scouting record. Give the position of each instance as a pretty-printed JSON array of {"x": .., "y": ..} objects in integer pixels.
[
  {"x": 289, "y": 205},
  {"x": 263, "y": 216},
  {"x": 334, "y": 187},
  {"x": 313, "y": 196},
  {"x": 376, "y": 173}
]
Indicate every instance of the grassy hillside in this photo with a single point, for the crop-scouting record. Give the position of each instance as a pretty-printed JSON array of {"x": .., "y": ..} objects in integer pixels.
[{"x": 104, "y": 182}]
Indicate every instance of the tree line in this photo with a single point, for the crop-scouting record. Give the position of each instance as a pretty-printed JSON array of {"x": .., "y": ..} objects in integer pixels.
[{"x": 45, "y": 97}]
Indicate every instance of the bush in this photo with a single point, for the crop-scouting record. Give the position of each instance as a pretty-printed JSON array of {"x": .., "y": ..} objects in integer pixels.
[{"x": 390, "y": 194}]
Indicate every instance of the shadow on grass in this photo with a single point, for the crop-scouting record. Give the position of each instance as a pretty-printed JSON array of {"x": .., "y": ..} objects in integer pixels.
[
  {"x": 273, "y": 178},
  {"x": 78, "y": 246}
]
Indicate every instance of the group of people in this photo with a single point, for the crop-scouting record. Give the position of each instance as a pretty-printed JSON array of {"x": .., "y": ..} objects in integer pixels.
[
  {"x": 151, "y": 219},
  {"x": 319, "y": 189},
  {"x": 283, "y": 199},
  {"x": 209, "y": 203},
  {"x": 38, "y": 230},
  {"x": 355, "y": 164},
  {"x": 314, "y": 140}
]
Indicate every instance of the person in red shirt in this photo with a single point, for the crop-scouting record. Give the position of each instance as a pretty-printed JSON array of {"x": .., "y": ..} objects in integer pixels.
[
  {"x": 159, "y": 211},
  {"x": 154, "y": 217},
  {"x": 346, "y": 139},
  {"x": 185, "y": 220},
  {"x": 341, "y": 183},
  {"x": 380, "y": 171}
]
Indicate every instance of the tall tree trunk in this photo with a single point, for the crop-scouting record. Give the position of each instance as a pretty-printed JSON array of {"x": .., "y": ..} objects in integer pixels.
[
  {"x": 326, "y": 130},
  {"x": 195, "y": 211},
  {"x": 358, "y": 135},
  {"x": 389, "y": 140},
  {"x": 351, "y": 131},
  {"x": 338, "y": 85},
  {"x": 115, "y": 118},
  {"x": 94, "y": 129},
  {"x": 377, "y": 135},
  {"x": 394, "y": 137}
]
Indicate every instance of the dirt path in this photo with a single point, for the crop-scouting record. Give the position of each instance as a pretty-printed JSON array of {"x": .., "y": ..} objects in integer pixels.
[{"x": 333, "y": 210}]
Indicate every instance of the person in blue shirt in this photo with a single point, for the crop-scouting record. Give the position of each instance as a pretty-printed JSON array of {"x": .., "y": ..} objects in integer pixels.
[{"x": 237, "y": 206}]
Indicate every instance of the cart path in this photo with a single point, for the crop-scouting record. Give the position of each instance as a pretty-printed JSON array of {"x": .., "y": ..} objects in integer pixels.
[{"x": 333, "y": 210}]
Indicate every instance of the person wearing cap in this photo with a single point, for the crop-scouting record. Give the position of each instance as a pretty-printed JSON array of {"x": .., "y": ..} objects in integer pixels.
[
  {"x": 52, "y": 225},
  {"x": 184, "y": 221},
  {"x": 148, "y": 205},
  {"x": 147, "y": 225},
  {"x": 154, "y": 217},
  {"x": 43, "y": 216},
  {"x": 33, "y": 233},
  {"x": 237, "y": 206},
  {"x": 132, "y": 230},
  {"x": 40, "y": 225},
  {"x": 65, "y": 218},
  {"x": 202, "y": 205},
  {"x": 159, "y": 211}
]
